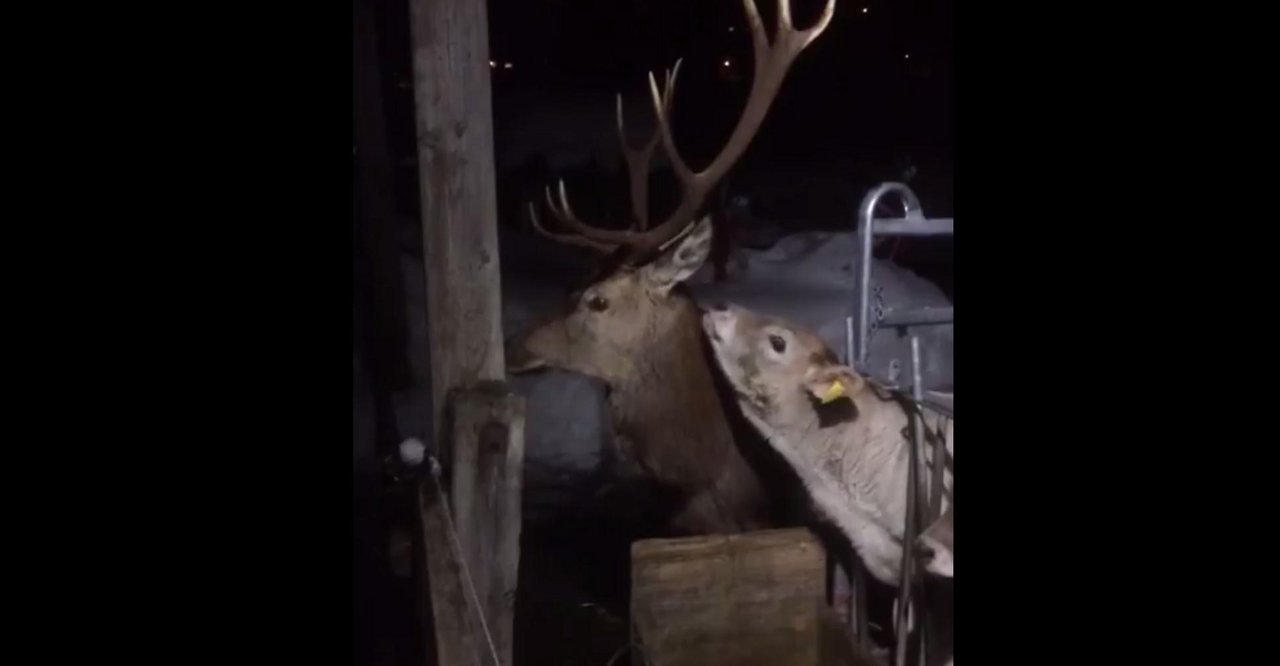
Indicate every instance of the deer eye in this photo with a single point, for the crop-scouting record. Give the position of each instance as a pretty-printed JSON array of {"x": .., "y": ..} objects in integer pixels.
[
  {"x": 779, "y": 345},
  {"x": 598, "y": 303}
]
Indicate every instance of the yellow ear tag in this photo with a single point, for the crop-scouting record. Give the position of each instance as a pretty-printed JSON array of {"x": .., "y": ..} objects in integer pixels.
[{"x": 833, "y": 392}]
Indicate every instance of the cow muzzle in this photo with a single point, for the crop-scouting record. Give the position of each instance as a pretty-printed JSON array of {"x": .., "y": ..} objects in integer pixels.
[
  {"x": 935, "y": 557},
  {"x": 718, "y": 322}
]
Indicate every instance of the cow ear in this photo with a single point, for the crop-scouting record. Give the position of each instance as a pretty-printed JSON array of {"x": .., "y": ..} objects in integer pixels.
[
  {"x": 682, "y": 259},
  {"x": 833, "y": 382}
]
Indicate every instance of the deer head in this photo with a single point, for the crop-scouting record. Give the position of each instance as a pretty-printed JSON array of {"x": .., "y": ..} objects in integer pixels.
[
  {"x": 633, "y": 326},
  {"x": 651, "y": 258},
  {"x": 614, "y": 325}
]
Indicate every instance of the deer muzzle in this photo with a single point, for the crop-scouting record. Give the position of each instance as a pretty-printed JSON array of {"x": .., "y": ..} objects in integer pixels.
[{"x": 520, "y": 360}]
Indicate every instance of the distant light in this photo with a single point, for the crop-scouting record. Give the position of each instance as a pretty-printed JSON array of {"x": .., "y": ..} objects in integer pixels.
[
  {"x": 907, "y": 56},
  {"x": 731, "y": 28},
  {"x": 865, "y": 10},
  {"x": 726, "y": 63},
  {"x": 492, "y": 64},
  {"x": 506, "y": 65}
]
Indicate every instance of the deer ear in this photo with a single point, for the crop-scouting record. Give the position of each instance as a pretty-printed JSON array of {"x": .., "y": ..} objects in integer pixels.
[
  {"x": 832, "y": 382},
  {"x": 682, "y": 259}
]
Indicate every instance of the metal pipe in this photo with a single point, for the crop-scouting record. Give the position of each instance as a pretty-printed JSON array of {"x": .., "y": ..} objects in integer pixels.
[
  {"x": 848, "y": 341},
  {"x": 925, "y": 316},
  {"x": 866, "y": 236},
  {"x": 853, "y": 580},
  {"x": 917, "y": 433},
  {"x": 917, "y": 392},
  {"x": 909, "y": 529},
  {"x": 902, "y": 226}
]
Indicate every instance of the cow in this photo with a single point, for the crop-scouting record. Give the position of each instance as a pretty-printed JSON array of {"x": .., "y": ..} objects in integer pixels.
[
  {"x": 847, "y": 439},
  {"x": 936, "y": 545}
]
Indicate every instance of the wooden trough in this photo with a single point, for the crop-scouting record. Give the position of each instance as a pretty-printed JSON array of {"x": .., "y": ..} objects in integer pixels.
[{"x": 754, "y": 598}]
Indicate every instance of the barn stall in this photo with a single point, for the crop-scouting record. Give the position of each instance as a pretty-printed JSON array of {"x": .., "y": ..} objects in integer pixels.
[{"x": 525, "y": 541}]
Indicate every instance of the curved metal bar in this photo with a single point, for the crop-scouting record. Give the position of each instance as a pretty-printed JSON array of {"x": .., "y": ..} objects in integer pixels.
[{"x": 866, "y": 235}]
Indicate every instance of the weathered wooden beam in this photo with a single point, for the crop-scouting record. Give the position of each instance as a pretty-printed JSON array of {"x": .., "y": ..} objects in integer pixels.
[
  {"x": 479, "y": 434},
  {"x": 743, "y": 599},
  {"x": 456, "y": 181}
]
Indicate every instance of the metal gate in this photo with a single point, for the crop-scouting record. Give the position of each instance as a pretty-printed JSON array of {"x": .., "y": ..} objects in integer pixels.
[{"x": 858, "y": 329}]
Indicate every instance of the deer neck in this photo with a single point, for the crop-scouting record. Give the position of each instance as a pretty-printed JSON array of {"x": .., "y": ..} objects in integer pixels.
[{"x": 669, "y": 390}]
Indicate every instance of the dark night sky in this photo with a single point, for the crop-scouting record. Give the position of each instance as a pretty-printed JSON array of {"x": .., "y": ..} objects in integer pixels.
[
  {"x": 854, "y": 98},
  {"x": 857, "y": 73}
]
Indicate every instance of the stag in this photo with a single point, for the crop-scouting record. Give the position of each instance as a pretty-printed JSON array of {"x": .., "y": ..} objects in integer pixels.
[{"x": 637, "y": 329}]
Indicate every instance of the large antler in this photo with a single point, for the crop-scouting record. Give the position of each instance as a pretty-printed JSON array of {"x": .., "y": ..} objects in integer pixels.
[
  {"x": 772, "y": 60},
  {"x": 605, "y": 240}
]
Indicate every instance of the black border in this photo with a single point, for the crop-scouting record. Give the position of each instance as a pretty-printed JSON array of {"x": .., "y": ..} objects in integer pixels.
[{"x": 223, "y": 499}]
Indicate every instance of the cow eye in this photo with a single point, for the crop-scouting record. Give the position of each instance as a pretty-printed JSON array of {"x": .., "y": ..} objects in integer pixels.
[
  {"x": 598, "y": 303},
  {"x": 779, "y": 345}
]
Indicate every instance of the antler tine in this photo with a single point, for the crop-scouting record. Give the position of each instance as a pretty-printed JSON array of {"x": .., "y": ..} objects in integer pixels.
[
  {"x": 784, "y": 15},
  {"x": 569, "y": 239},
  {"x": 805, "y": 37},
  {"x": 771, "y": 63},
  {"x": 760, "y": 38},
  {"x": 564, "y": 213},
  {"x": 596, "y": 238},
  {"x": 638, "y": 164},
  {"x": 622, "y": 132},
  {"x": 637, "y": 172},
  {"x": 660, "y": 104},
  {"x": 772, "y": 60}
]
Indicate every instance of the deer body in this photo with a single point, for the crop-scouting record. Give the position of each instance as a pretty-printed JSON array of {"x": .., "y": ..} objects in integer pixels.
[
  {"x": 636, "y": 331},
  {"x": 639, "y": 333}
]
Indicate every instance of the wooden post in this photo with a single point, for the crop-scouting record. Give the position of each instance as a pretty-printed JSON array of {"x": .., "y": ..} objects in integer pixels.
[
  {"x": 744, "y": 599},
  {"x": 484, "y": 492},
  {"x": 459, "y": 204},
  {"x": 488, "y": 469},
  {"x": 479, "y": 433}
]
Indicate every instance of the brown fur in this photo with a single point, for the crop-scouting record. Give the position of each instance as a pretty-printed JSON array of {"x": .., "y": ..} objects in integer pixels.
[
  {"x": 645, "y": 342},
  {"x": 669, "y": 420}
]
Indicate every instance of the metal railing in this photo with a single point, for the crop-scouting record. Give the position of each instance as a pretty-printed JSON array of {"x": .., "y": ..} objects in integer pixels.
[{"x": 857, "y": 351}]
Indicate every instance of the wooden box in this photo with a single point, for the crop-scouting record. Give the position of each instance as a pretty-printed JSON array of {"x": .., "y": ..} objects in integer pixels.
[{"x": 744, "y": 599}]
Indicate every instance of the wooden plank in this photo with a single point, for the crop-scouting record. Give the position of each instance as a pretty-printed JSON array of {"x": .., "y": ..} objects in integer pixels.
[{"x": 740, "y": 599}]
